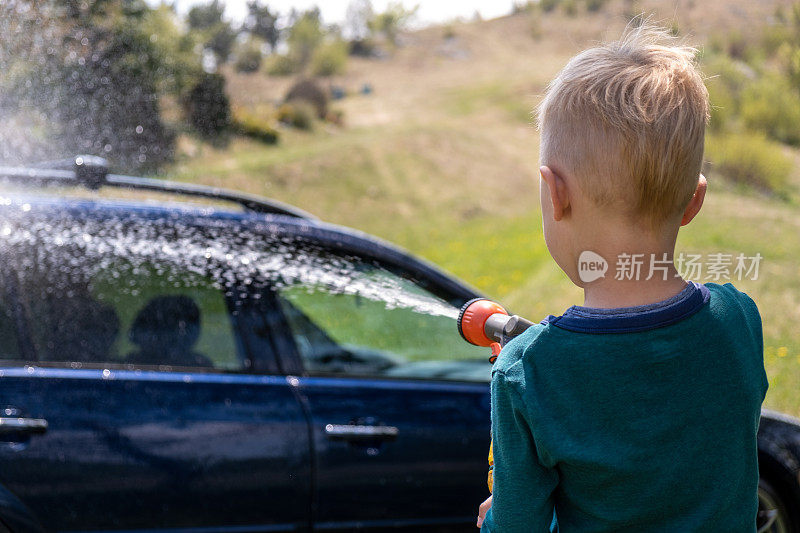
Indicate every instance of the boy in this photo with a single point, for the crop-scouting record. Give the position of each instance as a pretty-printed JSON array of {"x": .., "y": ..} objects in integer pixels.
[{"x": 639, "y": 410}]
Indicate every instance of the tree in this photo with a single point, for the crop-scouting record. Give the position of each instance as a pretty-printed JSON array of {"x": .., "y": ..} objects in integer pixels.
[
  {"x": 262, "y": 23},
  {"x": 205, "y": 16},
  {"x": 249, "y": 56},
  {"x": 305, "y": 35},
  {"x": 180, "y": 63},
  {"x": 217, "y": 34},
  {"x": 392, "y": 21},
  {"x": 96, "y": 87},
  {"x": 208, "y": 106},
  {"x": 330, "y": 58},
  {"x": 221, "y": 40},
  {"x": 357, "y": 20}
]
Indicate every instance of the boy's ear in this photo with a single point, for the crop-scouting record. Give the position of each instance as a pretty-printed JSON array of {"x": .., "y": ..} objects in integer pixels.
[
  {"x": 696, "y": 202},
  {"x": 559, "y": 196}
]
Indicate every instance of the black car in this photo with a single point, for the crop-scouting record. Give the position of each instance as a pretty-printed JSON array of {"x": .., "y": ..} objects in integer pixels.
[{"x": 197, "y": 368}]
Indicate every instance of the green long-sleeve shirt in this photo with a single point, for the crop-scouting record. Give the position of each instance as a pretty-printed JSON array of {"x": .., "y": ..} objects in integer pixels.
[{"x": 635, "y": 419}]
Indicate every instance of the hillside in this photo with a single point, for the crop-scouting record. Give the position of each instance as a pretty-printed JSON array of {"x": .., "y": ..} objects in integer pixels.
[{"x": 441, "y": 158}]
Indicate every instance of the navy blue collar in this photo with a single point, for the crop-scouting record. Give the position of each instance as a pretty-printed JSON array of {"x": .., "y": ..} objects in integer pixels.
[{"x": 632, "y": 319}]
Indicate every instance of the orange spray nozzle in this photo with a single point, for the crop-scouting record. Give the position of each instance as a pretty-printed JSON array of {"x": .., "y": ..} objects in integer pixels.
[
  {"x": 472, "y": 320},
  {"x": 485, "y": 323}
]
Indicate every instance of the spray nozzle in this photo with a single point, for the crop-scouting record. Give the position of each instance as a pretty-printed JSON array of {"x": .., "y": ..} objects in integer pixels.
[{"x": 483, "y": 322}]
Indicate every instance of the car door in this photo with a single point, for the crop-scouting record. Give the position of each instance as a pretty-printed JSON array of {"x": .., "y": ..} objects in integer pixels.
[
  {"x": 129, "y": 381},
  {"x": 399, "y": 403}
]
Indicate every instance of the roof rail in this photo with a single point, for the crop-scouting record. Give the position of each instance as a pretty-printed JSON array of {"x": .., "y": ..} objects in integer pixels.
[{"x": 92, "y": 172}]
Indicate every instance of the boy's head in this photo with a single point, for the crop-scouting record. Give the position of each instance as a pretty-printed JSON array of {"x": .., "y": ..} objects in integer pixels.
[{"x": 624, "y": 123}]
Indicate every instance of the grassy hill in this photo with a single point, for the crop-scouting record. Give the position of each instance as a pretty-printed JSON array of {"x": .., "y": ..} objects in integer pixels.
[{"x": 441, "y": 158}]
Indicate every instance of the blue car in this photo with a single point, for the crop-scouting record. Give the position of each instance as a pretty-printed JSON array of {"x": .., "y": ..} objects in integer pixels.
[{"x": 192, "y": 367}]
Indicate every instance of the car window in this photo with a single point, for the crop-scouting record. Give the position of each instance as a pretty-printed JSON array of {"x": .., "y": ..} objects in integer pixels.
[
  {"x": 122, "y": 291},
  {"x": 141, "y": 315},
  {"x": 378, "y": 324}
]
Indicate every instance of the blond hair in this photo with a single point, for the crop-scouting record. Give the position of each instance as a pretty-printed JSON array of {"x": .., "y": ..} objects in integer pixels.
[{"x": 627, "y": 119}]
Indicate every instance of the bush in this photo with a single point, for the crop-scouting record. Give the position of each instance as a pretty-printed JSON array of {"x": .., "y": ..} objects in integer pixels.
[
  {"x": 335, "y": 117},
  {"x": 329, "y": 59},
  {"x": 774, "y": 37},
  {"x": 249, "y": 125},
  {"x": 297, "y": 114},
  {"x": 750, "y": 159},
  {"x": 723, "y": 104},
  {"x": 363, "y": 47},
  {"x": 570, "y": 7},
  {"x": 548, "y": 5},
  {"x": 248, "y": 59},
  {"x": 595, "y": 5},
  {"x": 208, "y": 106},
  {"x": 740, "y": 46},
  {"x": 772, "y": 106},
  {"x": 310, "y": 92},
  {"x": 281, "y": 65},
  {"x": 726, "y": 80}
]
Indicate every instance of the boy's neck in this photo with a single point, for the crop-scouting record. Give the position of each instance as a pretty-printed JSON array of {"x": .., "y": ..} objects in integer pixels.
[{"x": 609, "y": 292}]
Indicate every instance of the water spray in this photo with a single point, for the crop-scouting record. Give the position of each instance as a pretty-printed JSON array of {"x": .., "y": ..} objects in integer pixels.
[{"x": 483, "y": 322}]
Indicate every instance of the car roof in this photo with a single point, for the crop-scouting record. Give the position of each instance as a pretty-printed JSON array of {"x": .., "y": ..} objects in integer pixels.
[{"x": 340, "y": 238}]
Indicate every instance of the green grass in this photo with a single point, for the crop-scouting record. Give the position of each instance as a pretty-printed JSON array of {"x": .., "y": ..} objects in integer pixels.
[{"x": 490, "y": 97}]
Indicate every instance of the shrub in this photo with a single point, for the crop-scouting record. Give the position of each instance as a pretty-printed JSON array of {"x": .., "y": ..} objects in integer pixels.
[
  {"x": 305, "y": 35},
  {"x": 309, "y": 91},
  {"x": 208, "y": 106},
  {"x": 570, "y": 7},
  {"x": 727, "y": 79},
  {"x": 297, "y": 114},
  {"x": 363, "y": 47},
  {"x": 335, "y": 117},
  {"x": 249, "y": 125},
  {"x": 742, "y": 47},
  {"x": 248, "y": 59},
  {"x": 281, "y": 65},
  {"x": 595, "y": 5},
  {"x": 329, "y": 59},
  {"x": 772, "y": 106},
  {"x": 548, "y": 5},
  {"x": 750, "y": 159},
  {"x": 723, "y": 104},
  {"x": 774, "y": 37}
]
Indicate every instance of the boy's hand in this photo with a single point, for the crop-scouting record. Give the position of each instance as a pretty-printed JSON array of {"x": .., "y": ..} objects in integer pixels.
[{"x": 485, "y": 506}]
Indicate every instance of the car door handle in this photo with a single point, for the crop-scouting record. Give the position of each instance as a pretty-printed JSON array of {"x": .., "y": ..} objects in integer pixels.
[
  {"x": 352, "y": 432},
  {"x": 9, "y": 424}
]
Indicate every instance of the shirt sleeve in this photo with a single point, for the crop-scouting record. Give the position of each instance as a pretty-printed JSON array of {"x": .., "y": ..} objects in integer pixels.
[{"x": 523, "y": 488}]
